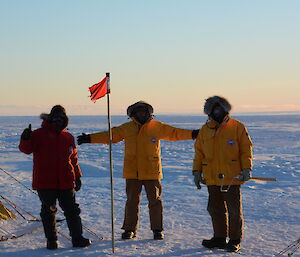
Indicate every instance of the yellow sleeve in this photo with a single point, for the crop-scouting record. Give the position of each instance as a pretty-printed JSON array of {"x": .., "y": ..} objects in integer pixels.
[
  {"x": 170, "y": 133},
  {"x": 199, "y": 156},
  {"x": 245, "y": 148},
  {"x": 103, "y": 137}
]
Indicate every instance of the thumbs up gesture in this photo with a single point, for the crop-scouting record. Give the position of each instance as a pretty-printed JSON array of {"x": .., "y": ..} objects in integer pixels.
[{"x": 26, "y": 133}]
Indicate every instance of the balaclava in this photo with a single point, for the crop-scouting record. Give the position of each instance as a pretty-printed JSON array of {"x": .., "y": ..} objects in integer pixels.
[{"x": 59, "y": 117}]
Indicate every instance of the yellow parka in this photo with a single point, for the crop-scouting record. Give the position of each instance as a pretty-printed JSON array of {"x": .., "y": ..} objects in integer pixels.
[
  {"x": 142, "y": 158},
  {"x": 225, "y": 150}
]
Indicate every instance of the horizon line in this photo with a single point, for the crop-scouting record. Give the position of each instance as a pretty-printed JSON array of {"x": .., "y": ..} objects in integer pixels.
[{"x": 180, "y": 114}]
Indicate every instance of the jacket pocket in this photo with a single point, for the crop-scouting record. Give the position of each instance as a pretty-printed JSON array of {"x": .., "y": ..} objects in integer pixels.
[
  {"x": 234, "y": 167},
  {"x": 154, "y": 164},
  {"x": 205, "y": 168}
]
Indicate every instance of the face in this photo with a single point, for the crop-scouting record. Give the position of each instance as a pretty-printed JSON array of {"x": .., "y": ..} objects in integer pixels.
[
  {"x": 60, "y": 120},
  {"x": 218, "y": 114},
  {"x": 141, "y": 115}
]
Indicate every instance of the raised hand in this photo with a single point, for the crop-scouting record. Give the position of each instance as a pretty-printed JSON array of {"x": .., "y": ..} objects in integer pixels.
[{"x": 26, "y": 133}]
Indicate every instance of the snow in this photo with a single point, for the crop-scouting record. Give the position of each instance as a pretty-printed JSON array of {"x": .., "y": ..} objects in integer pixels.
[{"x": 271, "y": 209}]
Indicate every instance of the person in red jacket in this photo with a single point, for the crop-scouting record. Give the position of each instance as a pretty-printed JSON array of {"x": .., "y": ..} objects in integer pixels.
[{"x": 56, "y": 174}]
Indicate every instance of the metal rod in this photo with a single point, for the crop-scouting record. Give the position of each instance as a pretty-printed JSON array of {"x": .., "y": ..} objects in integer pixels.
[{"x": 110, "y": 164}]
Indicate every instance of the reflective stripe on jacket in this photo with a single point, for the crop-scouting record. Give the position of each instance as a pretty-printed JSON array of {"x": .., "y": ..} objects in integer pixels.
[
  {"x": 226, "y": 150},
  {"x": 142, "y": 157}
]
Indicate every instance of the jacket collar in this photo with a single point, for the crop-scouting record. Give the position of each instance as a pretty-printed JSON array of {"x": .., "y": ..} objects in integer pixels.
[
  {"x": 50, "y": 126},
  {"x": 139, "y": 124},
  {"x": 212, "y": 124}
]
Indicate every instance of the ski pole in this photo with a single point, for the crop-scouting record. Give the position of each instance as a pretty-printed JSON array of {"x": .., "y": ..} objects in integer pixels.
[
  {"x": 263, "y": 178},
  {"x": 259, "y": 178}
]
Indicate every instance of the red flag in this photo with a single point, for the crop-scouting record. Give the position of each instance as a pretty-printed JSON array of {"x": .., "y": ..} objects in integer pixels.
[{"x": 98, "y": 90}]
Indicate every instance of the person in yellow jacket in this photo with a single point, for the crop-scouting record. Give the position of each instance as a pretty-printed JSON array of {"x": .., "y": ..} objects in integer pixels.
[
  {"x": 142, "y": 163},
  {"x": 223, "y": 161}
]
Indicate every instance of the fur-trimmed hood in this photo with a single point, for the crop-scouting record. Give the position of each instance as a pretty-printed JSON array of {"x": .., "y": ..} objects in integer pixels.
[
  {"x": 131, "y": 108},
  {"x": 212, "y": 101},
  {"x": 57, "y": 109},
  {"x": 44, "y": 116}
]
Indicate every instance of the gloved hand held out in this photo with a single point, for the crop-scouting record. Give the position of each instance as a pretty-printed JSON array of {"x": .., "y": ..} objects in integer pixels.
[
  {"x": 83, "y": 139},
  {"x": 246, "y": 175},
  {"x": 195, "y": 133},
  {"x": 198, "y": 178},
  {"x": 26, "y": 134},
  {"x": 77, "y": 184}
]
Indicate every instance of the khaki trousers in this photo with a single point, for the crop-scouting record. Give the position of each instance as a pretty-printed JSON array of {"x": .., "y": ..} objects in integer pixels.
[
  {"x": 226, "y": 213},
  {"x": 134, "y": 192}
]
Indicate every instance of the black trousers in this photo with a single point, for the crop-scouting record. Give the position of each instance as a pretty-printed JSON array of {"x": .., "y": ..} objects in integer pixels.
[{"x": 66, "y": 199}]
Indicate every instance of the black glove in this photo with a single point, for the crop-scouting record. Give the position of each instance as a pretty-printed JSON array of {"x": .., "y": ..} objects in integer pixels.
[
  {"x": 246, "y": 175},
  {"x": 198, "y": 178},
  {"x": 26, "y": 133},
  {"x": 195, "y": 133},
  {"x": 77, "y": 184},
  {"x": 83, "y": 139}
]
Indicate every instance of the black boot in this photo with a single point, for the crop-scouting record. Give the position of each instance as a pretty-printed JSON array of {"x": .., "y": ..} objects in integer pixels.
[
  {"x": 233, "y": 246},
  {"x": 158, "y": 235},
  {"x": 215, "y": 242},
  {"x": 52, "y": 244},
  {"x": 128, "y": 234},
  {"x": 81, "y": 242}
]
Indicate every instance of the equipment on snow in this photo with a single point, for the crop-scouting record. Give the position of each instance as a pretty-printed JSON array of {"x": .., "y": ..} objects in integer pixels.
[
  {"x": 261, "y": 178},
  {"x": 25, "y": 231},
  {"x": 293, "y": 247},
  {"x": 5, "y": 213},
  {"x": 88, "y": 230}
]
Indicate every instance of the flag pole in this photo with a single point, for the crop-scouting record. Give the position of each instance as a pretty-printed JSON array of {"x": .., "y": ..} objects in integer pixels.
[{"x": 110, "y": 163}]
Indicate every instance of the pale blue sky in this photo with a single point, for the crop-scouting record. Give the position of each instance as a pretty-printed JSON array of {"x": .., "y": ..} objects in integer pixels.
[{"x": 173, "y": 54}]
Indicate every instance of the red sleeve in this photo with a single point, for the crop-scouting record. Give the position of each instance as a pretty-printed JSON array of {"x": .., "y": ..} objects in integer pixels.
[
  {"x": 26, "y": 146},
  {"x": 74, "y": 161}
]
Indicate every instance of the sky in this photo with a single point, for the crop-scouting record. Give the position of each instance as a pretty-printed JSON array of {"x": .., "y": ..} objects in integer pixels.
[{"x": 173, "y": 54}]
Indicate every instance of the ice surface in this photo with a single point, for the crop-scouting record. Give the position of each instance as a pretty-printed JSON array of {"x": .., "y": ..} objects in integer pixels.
[{"x": 271, "y": 209}]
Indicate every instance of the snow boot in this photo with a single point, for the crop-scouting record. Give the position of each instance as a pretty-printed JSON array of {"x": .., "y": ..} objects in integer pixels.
[
  {"x": 215, "y": 242},
  {"x": 233, "y": 246},
  {"x": 52, "y": 244},
  {"x": 158, "y": 235},
  {"x": 80, "y": 242},
  {"x": 128, "y": 234}
]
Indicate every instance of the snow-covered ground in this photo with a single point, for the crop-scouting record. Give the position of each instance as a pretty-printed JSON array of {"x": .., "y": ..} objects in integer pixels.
[{"x": 271, "y": 209}]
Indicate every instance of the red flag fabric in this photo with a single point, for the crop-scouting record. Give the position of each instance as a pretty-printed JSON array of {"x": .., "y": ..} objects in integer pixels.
[{"x": 98, "y": 90}]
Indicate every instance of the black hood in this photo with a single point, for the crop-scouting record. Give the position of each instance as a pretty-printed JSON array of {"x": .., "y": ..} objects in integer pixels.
[{"x": 216, "y": 100}]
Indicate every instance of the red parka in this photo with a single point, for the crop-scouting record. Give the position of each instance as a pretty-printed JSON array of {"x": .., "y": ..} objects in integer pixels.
[{"x": 55, "y": 160}]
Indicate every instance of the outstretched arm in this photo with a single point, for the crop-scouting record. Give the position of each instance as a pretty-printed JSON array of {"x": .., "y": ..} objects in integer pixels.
[
  {"x": 171, "y": 133},
  {"x": 102, "y": 137}
]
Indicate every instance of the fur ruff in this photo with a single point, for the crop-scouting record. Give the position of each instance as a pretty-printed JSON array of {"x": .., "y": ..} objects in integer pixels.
[
  {"x": 131, "y": 108},
  {"x": 211, "y": 101}
]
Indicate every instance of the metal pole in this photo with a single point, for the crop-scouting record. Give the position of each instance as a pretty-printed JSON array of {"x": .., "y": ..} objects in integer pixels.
[{"x": 110, "y": 164}]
